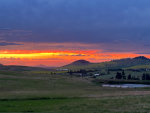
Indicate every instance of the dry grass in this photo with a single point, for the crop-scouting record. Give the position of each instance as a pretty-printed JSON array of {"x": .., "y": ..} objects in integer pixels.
[{"x": 30, "y": 92}]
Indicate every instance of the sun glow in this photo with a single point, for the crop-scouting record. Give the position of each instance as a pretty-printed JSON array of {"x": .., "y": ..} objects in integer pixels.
[
  {"x": 57, "y": 57},
  {"x": 41, "y": 55}
]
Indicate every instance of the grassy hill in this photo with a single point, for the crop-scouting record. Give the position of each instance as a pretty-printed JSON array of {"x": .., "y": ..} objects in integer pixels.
[
  {"x": 139, "y": 67},
  {"x": 20, "y": 68},
  {"x": 115, "y": 64},
  {"x": 80, "y": 63}
]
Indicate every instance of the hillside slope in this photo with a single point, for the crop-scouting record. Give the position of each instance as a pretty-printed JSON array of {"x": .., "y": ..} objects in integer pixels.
[
  {"x": 122, "y": 63},
  {"x": 20, "y": 68}
]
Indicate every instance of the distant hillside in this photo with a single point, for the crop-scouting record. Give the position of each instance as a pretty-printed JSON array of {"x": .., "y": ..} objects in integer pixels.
[
  {"x": 122, "y": 63},
  {"x": 45, "y": 67},
  {"x": 137, "y": 62},
  {"x": 138, "y": 67},
  {"x": 76, "y": 64},
  {"x": 141, "y": 60},
  {"x": 79, "y": 63},
  {"x": 19, "y": 68}
]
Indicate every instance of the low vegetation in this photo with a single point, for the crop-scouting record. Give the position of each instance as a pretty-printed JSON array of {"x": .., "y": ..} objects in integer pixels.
[
  {"x": 55, "y": 93},
  {"x": 76, "y": 90}
]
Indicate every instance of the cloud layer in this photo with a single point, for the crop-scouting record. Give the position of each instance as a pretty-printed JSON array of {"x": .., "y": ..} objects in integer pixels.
[
  {"x": 77, "y": 20},
  {"x": 106, "y": 29}
]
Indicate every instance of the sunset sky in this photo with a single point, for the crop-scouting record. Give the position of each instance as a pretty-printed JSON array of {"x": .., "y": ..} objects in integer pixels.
[{"x": 57, "y": 32}]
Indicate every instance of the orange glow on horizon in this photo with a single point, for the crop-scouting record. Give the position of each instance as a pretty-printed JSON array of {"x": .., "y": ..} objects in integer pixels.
[
  {"x": 57, "y": 57},
  {"x": 35, "y": 55}
]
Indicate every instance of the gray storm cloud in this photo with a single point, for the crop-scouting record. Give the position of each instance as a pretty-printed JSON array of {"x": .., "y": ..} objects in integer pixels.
[{"x": 89, "y": 21}]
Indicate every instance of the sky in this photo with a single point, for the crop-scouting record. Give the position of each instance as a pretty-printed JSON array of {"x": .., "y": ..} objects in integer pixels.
[{"x": 57, "y": 32}]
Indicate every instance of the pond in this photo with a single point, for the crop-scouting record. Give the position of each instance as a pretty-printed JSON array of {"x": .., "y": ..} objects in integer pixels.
[{"x": 126, "y": 85}]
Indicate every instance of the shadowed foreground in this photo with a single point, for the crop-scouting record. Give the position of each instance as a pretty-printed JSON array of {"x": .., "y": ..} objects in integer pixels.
[
  {"x": 139, "y": 104},
  {"x": 34, "y": 92}
]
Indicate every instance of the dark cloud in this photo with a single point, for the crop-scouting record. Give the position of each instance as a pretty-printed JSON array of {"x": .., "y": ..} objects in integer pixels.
[
  {"x": 90, "y": 21},
  {"x": 8, "y": 34},
  {"x": 145, "y": 53},
  {"x": 8, "y": 43}
]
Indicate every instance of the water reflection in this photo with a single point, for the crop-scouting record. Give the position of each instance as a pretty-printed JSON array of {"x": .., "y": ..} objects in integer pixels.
[{"x": 126, "y": 85}]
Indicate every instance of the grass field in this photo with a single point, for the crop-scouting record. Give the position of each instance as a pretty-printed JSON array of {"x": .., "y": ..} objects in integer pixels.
[{"x": 43, "y": 92}]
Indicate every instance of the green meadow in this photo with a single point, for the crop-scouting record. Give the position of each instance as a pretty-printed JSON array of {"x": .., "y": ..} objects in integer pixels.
[{"x": 56, "y": 93}]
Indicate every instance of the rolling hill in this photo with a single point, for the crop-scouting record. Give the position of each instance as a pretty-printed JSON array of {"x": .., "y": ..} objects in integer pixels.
[
  {"x": 137, "y": 62},
  {"x": 79, "y": 63},
  {"x": 20, "y": 68},
  {"x": 114, "y": 64}
]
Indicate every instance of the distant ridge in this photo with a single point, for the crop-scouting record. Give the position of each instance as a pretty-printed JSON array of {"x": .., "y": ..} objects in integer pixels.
[
  {"x": 20, "y": 68},
  {"x": 142, "y": 58},
  {"x": 79, "y": 63},
  {"x": 114, "y": 64},
  {"x": 84, "y": 64}
]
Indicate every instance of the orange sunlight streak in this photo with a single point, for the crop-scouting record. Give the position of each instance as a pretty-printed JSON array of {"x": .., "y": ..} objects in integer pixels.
[{"x": 57, "y": 57}]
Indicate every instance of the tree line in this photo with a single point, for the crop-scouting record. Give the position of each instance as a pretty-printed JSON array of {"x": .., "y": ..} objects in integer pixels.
[{"x": 122, "y": 75}]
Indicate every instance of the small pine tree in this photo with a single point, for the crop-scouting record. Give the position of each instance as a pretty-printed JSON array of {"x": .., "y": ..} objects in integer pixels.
[
  {"x": 147, "y": 76},
  {"x": 118, "y": 75},
  {"x": 70, "y": 72},
  {"x": 129, "y": 77},
  {"x": 123, "y": 73},
  {"x": 144, "y": 76},
  {"x": 83, "y": 72}
]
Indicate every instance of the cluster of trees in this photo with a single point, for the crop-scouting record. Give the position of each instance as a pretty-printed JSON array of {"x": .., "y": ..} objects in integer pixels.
[
  {"x": 119, "y": 75},
  {"x": 122, "y": 75},
  {"x": 146, "y": 76},
  {"x": 82, "y": 71}
]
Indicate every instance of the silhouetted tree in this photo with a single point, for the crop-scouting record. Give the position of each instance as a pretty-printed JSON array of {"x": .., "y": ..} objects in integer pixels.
[
  {"x": 129, "y": 77},
  {"x": 146, "y": 76},
  {"x": 123, "y": 73},
  {"x": 83, "y": 72},
  {"x": 70, "y": 72},
  {"x": 118, "y": 75}
]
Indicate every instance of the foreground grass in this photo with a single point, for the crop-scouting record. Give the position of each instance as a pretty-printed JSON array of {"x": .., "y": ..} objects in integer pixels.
[
  {"x": 41, "y": 92},
  {"x": 125, "y": 104}
]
